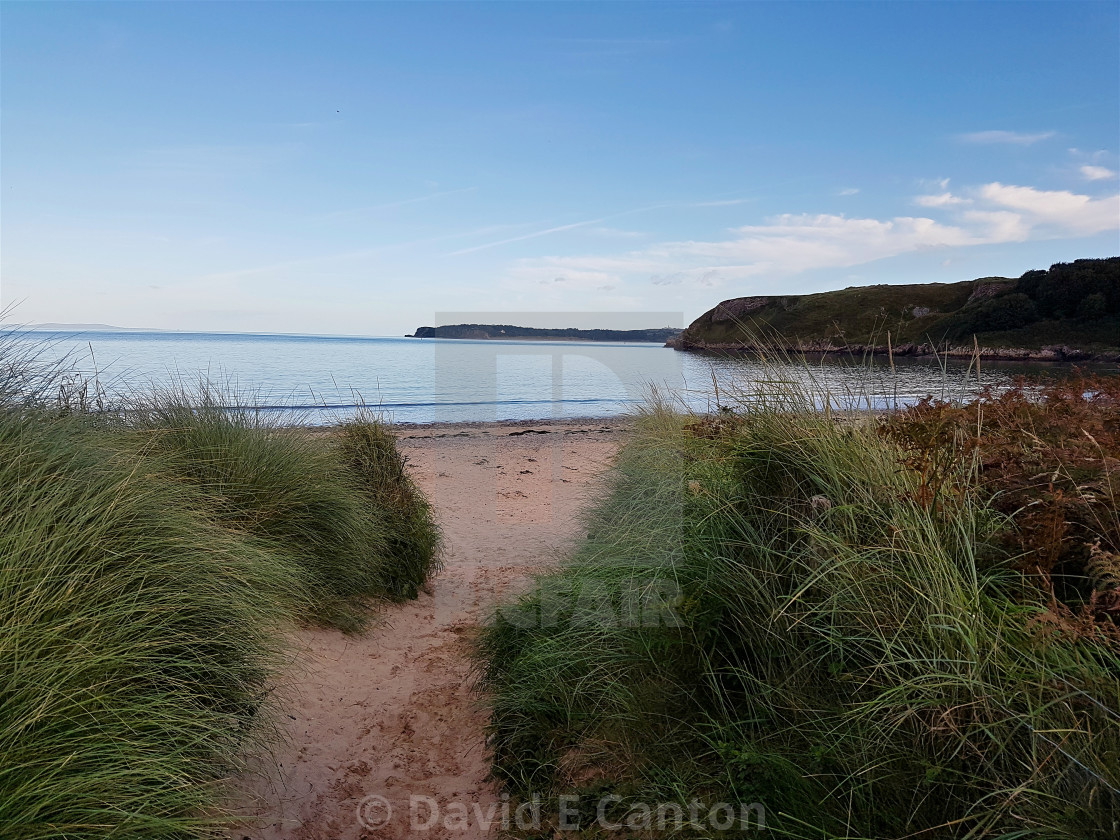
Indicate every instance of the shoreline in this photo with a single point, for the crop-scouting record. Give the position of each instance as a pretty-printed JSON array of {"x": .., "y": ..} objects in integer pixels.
[
  {"x": 550, "y": 424},
  {"x": 1054, "y": 354},
  {"x": 464, "y": 428}
]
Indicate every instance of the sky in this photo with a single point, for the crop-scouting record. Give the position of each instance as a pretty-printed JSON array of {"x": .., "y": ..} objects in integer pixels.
[{"x": 358, "y": 168}]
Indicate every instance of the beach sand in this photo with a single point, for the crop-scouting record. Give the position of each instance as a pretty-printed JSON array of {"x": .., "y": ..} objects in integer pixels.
[{"x": 391, "y": 713}]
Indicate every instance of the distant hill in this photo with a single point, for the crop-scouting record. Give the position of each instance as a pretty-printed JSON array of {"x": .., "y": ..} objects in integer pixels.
[
  {"x": 1071, "y": 311},
  {"x": 72, "y": 327},
  {"x": 506, "y": 331}
]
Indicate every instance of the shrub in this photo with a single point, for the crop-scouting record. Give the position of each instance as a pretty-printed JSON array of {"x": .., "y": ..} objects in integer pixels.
[
  {"x": 1048, "y": 458},
  {"x": 1006, "y": 312}
]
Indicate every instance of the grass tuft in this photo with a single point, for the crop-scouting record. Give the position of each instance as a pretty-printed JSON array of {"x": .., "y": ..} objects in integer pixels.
[
  {"x": 282, "y": 489},
  {"x": 411, "y": 553}
]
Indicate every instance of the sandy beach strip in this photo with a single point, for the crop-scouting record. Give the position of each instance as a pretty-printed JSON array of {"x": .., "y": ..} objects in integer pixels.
[{"x": 391, "y": 713}]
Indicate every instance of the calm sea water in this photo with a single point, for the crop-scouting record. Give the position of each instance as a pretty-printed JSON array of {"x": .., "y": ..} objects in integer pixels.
[{"x": 314, "y": 379}]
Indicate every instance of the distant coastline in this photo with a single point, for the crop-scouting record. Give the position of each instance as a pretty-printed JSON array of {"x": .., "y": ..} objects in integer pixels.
[
  {"x": 52, "y": 327},
  {"x": 499, "y": 332}
]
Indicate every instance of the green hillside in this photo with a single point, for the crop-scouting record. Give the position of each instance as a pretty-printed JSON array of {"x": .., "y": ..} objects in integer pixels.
[{"x": 1072, "y": 308}]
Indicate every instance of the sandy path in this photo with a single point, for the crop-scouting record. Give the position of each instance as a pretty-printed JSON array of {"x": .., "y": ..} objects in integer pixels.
[{"x": 388, "y": 716}]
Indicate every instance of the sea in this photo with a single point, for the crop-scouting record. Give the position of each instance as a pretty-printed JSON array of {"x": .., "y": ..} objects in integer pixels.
[{"x": 314, "y": 379}]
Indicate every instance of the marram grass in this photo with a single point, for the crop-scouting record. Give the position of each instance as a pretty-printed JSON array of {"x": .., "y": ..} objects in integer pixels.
[
  {"x": 860, "y": 662},
  {"x": 341, "y": 507},
  {"x": 394, "y": 503},
  {"x": 138, "y": 641},
  {"x": 152, "y": 565}
]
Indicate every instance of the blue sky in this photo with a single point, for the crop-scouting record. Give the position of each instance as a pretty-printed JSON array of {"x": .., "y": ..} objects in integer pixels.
[{"x": 357, "y": 167}]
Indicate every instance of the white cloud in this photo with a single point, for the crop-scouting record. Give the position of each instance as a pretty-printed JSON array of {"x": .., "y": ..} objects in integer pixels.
[
  {"x": 1014, "y": 138},
  {"x": 1097, "y": 173},
  {"x": 849, "y": 191},
  {"x": 993, "y": 226},
  {"x": 1069, "y": 212},
  {"x": 944, "y": 199},
  {"x": 784, "y": 245},
  {"x": 792, "y": 243},
  {"x": 798, "y": 242}
]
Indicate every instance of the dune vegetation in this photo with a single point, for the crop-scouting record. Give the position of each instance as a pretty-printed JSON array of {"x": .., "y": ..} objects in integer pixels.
[
  {"x": 866, "y": 627},
  {"x": 153, "y": 560}
]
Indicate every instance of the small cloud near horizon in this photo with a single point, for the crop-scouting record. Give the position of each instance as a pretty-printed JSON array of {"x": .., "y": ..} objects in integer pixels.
[{"x": 1012, "y": 138}]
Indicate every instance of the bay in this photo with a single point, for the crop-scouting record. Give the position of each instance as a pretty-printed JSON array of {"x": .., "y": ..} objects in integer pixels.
[{"x": 321, "y": 379}]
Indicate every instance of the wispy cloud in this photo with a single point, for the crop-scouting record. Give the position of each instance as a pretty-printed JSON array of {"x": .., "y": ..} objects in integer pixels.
[
  {"x": 534, "y": 235},
  {"x": 791, "y": 243},
  {"x": 602, "y": 231},
  {"x": 1013, "y": 138},
  {"x": 1097, "y": 173},
  {"x": 725, "y": 202},
  {"x": 784, "y": 245},
  {"x": 616, "y": 233},
  {"x": 587, "y": 222},
  {"x": 849, "y": 191}
]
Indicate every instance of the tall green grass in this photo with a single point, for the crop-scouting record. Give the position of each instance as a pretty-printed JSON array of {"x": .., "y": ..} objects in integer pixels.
[
  {"x": 860, "y": 662},
  {"x": 153, "y": 563},
  {"x": 342, "y": 508},
  {"x": 138, "y": 641},
  {"x": 394, "y": 503}
]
